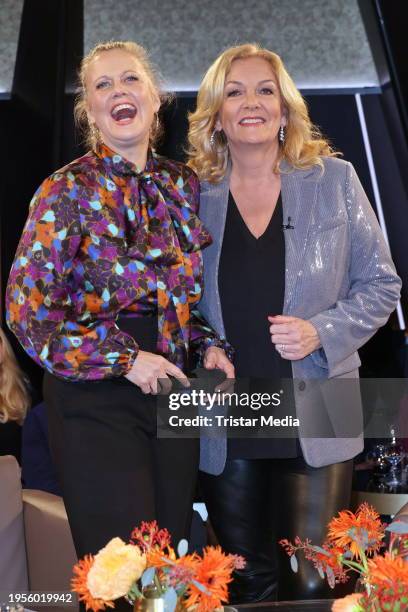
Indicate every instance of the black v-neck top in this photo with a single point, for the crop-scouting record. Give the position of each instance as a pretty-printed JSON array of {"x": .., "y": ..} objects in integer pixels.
[{"x": 252, "y": 285}]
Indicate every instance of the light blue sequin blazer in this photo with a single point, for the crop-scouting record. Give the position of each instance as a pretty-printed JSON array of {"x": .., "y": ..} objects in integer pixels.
[{"x": 339, "y": 275}]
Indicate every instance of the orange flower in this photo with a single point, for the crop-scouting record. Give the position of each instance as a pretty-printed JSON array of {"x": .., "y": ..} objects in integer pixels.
[
  {"x": 332, "y": 559},
  {"x": 388, "y": 571},
  {"x": 190, "y": 561},
  {"x": 80, "y": 586},
  {"x": 159, "y": 558},
  {"x": 348, "y": 604},
  {"x": 362, "y": 531},
  {"x": 213, "y": 572}
]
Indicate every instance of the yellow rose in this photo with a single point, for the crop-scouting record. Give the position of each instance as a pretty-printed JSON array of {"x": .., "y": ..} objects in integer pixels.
[
  {"x": 350, "y": 603},
  {"x": 116, "y": 567}
]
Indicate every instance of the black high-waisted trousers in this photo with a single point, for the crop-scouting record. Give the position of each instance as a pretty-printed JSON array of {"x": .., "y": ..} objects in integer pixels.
[
  {"x": 114, "y": 472},
  {"x": 255, "y": 503}
]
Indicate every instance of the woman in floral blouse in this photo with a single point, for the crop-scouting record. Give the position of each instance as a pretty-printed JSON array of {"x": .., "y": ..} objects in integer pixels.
[{"x": 102, "y": 294}]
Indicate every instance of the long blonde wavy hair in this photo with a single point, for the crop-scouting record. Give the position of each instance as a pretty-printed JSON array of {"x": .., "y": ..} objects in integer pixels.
[
  {"x": 91, "y": 135},
  {"x": 14, "y": 397},
  {"x": 304, "y": 144}
]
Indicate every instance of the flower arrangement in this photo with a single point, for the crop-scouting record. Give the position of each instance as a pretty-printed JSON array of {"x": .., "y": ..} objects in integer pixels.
[
  {"x": 149, "y": 563},
  {"x": 353, "y": 543}
]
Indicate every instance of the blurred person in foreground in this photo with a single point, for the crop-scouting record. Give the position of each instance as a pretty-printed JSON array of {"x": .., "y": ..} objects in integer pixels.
[
  {"x": 297, "y": 279},
  {"x": 14, "y": 400},
  {"x": 101, "y": 294},
  {"x": 37, "y": 467}
]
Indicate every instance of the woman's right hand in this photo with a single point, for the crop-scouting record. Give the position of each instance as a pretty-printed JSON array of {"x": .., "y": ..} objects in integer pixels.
[{"x": 149, "y": 368}]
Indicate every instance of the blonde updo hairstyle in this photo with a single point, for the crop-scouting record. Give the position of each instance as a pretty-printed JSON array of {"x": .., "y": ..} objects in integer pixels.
[
  {"x": 14, "y": 397},
  {"x": 304, "y": 144},
  {"x": 90, "y": 131}
]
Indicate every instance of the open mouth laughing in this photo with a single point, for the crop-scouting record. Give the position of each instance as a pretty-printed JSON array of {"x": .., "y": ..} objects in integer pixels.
[{"x": 123, "y": 113}]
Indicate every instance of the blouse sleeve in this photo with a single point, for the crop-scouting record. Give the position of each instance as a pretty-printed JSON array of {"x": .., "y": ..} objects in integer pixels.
[
  {"x": 203, "y": 337},
  {"x": 39, "y": 304}
]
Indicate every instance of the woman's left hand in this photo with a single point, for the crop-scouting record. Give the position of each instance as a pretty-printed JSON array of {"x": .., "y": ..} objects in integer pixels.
[
  {"x": 293, "y": 338},
  {"x": 215, "y": 357}
]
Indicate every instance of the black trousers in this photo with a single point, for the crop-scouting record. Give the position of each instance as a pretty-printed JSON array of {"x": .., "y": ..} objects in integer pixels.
[
  {"x": 114, "y": 472},
  {"x": 255, "y": 503}
]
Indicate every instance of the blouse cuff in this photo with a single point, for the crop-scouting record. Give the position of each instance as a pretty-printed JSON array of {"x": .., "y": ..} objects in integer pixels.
[
  {"x": 218, "y": 342},
  {"x": 127, "y": 366}
]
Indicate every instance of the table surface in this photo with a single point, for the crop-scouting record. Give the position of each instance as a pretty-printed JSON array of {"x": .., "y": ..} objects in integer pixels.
[
  {"x": 318, "y": 605},
  {"x": 384, "y": 503}
]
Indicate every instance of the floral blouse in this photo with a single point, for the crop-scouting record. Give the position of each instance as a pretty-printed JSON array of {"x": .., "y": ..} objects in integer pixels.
[{"x": 102, "y": 239}]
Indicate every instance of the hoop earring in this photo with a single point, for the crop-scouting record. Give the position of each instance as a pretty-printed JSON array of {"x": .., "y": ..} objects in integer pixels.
[{"x": 282, "y": 135}]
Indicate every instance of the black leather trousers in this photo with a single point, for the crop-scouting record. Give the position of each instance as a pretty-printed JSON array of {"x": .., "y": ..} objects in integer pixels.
[{"x": 256, "y": 502}]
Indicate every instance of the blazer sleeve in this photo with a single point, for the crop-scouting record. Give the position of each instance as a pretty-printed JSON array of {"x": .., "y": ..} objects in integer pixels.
[
  {"x": 374, "y": 286},
  {"x": 202, "y": 335}
]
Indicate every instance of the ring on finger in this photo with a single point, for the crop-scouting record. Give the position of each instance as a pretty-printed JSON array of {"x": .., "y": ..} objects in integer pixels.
[{"x": 282, "y": 348}]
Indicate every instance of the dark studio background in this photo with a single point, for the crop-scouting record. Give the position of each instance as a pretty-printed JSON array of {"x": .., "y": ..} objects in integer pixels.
[{"x": 38, "y": 136}]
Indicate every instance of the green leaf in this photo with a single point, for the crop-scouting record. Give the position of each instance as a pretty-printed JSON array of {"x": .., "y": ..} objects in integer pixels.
[
  {"x": 148, "y": 576},
  {"x": 182, "y": 548},
  {"x": 134, "y": 593},
  {"x": 200, "y": 586},
  {"x": 170, "y": 600},
  {"x": 397, "y": 527},
  {"x": 294, "y": 564},
  {"x": 320, "y": 570},
  {"x": 330, "y": 577}
]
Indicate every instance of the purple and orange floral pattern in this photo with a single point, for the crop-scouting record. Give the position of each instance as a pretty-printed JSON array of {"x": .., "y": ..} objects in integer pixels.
[{"x": 102, "y": 239}]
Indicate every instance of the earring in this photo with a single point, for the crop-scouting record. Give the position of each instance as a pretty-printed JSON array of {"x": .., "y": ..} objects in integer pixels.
[
  {"x": 95, "y": 133},
  {"x": 212, "y": 138},
  {"x": 157, "y": 122},
  {"x": 281, "y": 134}
]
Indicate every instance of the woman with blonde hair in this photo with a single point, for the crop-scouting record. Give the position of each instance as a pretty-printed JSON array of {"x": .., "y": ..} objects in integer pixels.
[
  {"x": 298, "y": 278},
  {"x": 102, "y": 294},
  {"x": 14, "y": 400}
]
